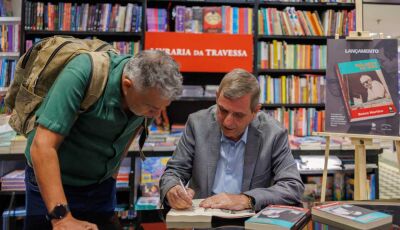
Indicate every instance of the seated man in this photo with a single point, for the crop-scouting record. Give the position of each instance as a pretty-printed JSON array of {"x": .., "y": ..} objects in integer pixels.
[{"x": 233, "y": 154}]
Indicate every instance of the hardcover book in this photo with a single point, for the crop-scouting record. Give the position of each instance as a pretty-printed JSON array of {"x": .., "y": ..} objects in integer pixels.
[
  {"x": 279, "y": 217},
  {"x": 378, "y": 102},
  {"x": 362, "y": 87},
  {"x": 348, "y": 216},
  {"x": 212, "y": 20}
]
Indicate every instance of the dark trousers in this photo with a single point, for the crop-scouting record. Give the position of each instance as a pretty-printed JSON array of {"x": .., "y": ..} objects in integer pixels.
[{"x": 94, "y": 203}]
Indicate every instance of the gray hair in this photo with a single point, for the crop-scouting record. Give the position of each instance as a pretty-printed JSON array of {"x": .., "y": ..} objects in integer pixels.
[
  {"x": 153, "y": 68},
  {"x": 238, "y": 83}
]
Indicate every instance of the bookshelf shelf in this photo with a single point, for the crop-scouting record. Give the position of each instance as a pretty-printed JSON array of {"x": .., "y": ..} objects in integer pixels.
[
  {"x": 9, "y": 193},
  {"x": 90, "y": 1},
  {"x": 206, "y": 2},
  {"x": 291, "y": 71},
  {"x": 319, "y": 172},
  {"x": 12, "y": 156},
  {"x": 273, "y": 106},
  {"x": 84, "y": 33},
  {"x": 297, "y": 39},
  {"x": 10, "y": 55},
  {"x": 10, "y": 20},
  {"x": 309, "y": 6}
]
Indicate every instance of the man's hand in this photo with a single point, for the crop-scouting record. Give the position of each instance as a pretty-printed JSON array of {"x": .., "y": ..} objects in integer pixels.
[
  {"x": 178, "y": 198},
  {"x": 70, "y": 222},
  {"x": 226, "y": 201}
]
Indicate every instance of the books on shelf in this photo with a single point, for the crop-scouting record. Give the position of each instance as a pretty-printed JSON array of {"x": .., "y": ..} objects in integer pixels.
[
  {"x": 291, "y": 89},
  {"x": 9, "y": 37},
  {"x": 197, "y": 214},
  {"x": 67, "y": 16},
  {"x": 362, "y": 87},
  {"x": 127, "y": 47},
  {"x": 151, "y": 170},
  {"x": 279, "y": 217},
  {"x": 280, "y": 55},
  {"x": 192, "y": 91},
  {"x": 123, "y": 177},
  {"x": 316, "y": 162},
  {"x": 348, "y": 216},
  {"x": 213, "y": 19},
  {"x": 156, "y": 19},
  {"x": 292, "y": 22},
  {"x": 311, "y": 1},
  {"x": 6, "y": 9},
  {"x": 299, "y": 122}
]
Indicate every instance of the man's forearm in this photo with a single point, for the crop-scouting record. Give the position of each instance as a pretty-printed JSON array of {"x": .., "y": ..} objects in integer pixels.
[{"x": 48, "y": 176}]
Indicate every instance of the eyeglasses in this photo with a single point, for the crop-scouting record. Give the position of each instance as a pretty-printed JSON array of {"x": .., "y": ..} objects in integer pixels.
[{"x": 142, "y": 138}]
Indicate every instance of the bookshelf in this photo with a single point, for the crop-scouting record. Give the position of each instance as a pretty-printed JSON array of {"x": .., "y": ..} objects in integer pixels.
[
  {"x": 9, "y": 50},
  {"x": 36, "y": 26}
]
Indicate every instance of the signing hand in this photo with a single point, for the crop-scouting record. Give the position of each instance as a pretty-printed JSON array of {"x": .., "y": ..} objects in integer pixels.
[
  {"x": 178, "y": 198},
  {"x": 70, "y": 222},
  {"x": 226, "y": 201}
]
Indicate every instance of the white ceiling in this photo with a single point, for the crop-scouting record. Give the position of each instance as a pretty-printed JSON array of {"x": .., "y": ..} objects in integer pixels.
[{"x": 382, "y": 18}]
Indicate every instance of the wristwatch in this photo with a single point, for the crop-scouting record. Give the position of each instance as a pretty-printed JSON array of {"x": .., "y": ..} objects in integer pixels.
[
  {"x": 59, "y": 211},
  {"x": 250, "y": 201}
]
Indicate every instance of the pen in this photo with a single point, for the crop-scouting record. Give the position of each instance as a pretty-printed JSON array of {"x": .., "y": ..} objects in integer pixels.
[{"x": 183, "y": 187}]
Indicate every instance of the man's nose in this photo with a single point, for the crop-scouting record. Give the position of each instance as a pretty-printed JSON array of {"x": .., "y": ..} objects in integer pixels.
[
  {"x": 155, "y": 113},
  {"x": 228, "y": 121}
]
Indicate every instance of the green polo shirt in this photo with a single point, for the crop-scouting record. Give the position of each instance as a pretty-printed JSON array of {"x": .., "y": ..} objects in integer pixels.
[{"x": 93, "y": 144}]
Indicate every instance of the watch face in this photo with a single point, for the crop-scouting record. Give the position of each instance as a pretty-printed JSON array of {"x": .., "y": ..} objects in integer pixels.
[{"x": 60, "y": 211}]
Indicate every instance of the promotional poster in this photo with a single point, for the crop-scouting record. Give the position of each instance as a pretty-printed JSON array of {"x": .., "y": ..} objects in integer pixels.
[{"x": 362, "y": 87}]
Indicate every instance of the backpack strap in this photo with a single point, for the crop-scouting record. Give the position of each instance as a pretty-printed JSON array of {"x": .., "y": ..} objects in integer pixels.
[{"x": 98, "y": 80}]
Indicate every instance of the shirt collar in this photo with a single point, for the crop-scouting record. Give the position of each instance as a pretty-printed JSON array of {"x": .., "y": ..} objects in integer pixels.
[{"x": 242, "y": 139}]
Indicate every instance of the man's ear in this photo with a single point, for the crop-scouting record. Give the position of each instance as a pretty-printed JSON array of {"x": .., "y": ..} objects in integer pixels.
[
  {"x": 127, "y": 82},
  {"x": 257, "y": 109}
]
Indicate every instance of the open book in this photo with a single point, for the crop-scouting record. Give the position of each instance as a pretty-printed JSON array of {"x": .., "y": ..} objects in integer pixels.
[{"x": 197, "y": 214}]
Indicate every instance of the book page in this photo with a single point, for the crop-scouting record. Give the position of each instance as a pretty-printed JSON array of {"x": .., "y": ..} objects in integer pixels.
[{"x": 196, "y": 210}]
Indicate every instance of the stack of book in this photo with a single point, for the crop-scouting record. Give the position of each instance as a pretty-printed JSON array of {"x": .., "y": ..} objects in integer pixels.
[
  {"x": 279, "y": 217},
  {"x": 18, "y": 144},
  {"x": 348, "y": 216},
  {"x": 6, "y": 135},
  {"x": 13, "y": 181},
  {"x": 123, "y": 177}
]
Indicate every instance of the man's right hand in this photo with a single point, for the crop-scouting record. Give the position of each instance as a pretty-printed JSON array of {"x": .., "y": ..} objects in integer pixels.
[
  {"x": 178, "y": 198},
  {"x": 69, "y": 222}
]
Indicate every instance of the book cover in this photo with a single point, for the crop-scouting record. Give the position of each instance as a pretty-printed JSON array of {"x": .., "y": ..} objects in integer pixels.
[
  {"x": 151, "y": 170},
  {"x": 212, "y": 20},
  {"x": 147, "y": 203},
  {"x": 348, "y": 216},
  {"x": 279, "y": 217},
  {"x": 364, "y": 75},
  {"x": 362, "y": 87}
]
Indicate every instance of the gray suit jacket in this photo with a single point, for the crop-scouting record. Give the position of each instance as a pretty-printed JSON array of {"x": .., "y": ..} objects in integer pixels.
[{"x": 270, "y": 173}]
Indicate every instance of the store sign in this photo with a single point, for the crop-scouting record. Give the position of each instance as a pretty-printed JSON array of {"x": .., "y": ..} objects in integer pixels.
[{"x": 204, "y": 52}]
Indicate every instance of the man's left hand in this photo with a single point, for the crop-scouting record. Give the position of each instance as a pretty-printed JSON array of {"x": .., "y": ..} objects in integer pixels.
[{"x": 226, "y": 201}]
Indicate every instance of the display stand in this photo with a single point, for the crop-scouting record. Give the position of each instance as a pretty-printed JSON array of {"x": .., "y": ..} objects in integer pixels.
[
  {"x": 360, "y": 172},
  {"x": 358, "y": 140}
]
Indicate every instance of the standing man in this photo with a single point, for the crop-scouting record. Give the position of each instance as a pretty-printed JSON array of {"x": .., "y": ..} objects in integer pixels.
[
  {"x": 71, "y": 158},
  {"x": 232, "y": 154}
]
